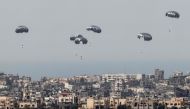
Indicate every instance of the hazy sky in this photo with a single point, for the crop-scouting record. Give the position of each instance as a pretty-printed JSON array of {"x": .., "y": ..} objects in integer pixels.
[{"x": 47, "y": 48}]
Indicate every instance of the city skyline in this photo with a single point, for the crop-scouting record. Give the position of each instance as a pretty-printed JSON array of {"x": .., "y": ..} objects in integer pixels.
[{"x": 36, "y": 71}]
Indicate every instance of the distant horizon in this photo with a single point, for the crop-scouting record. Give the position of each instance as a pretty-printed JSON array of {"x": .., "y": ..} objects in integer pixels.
[{"x": 70, "y": 69}]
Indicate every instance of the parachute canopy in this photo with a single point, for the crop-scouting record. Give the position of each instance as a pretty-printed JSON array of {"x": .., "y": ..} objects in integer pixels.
[
  {"x": 84, "y": 40},
  {"x": 94, "y": 28},
  {"x": 22, "y": 29},
  {"x": 172, "y": 14},
  {"x": 78, "y": 39},
  {"x": 146, "y": 36},
  {"x": 72, "y": 38}
]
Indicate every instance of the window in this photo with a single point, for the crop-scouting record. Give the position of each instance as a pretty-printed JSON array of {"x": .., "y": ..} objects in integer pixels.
[{"x": 135, "y": 105}]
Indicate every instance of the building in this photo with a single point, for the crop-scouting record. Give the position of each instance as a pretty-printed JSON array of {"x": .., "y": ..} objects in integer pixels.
[
  {"x": 175, "y": 102},
  {"x": 115, "y": 102},
  {"x": 125, "y": 77},
  {"x": 6, "y": 102},
  {"x": 159, "y": 74},
  {"x": 68, "y": 86},
  {"x": 177, "y": 74},
  {"x": 142, "y": 104},
  {"x": 67, "y": 100},
  {"x": 118, "y": 85},
  {"x": 93, "y": 103},
  {"x": 24, "y": 105}
]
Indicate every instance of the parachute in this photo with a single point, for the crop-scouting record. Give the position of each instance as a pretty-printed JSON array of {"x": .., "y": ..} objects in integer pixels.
[
  {"x": 84, "y": 40},
  {"x": 172, "y": 14},
  {"x": 72, "y": 38},
  {"x": 94, "y": 28},
  {"x": 78, "y": 39},
  {"x": 22, "y": 29},
  {"x": 146, "y": 36}
]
